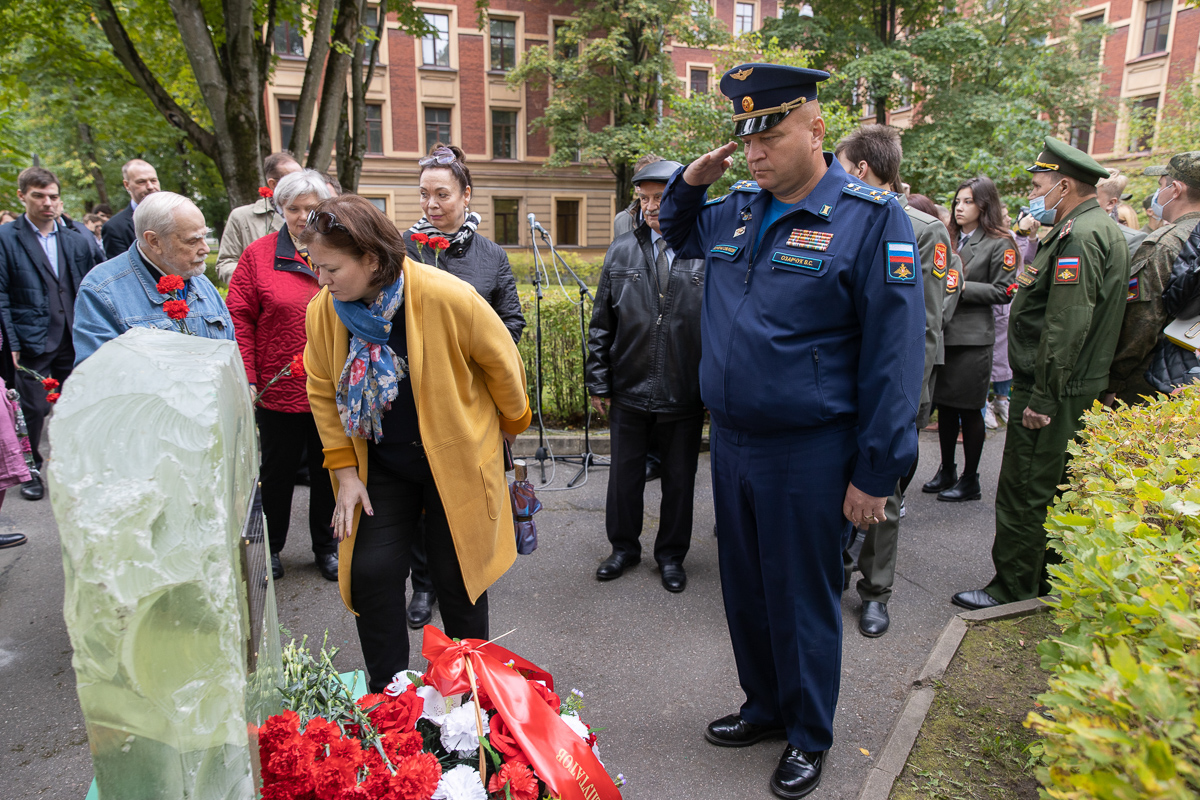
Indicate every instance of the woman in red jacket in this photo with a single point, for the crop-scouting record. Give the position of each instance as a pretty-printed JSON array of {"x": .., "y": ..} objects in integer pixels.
[{"x": 268, "y": 297}]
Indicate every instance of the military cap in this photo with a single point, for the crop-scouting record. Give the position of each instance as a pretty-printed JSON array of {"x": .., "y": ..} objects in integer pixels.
[
  {"x": 763, "y": 94},
  {"x": 1182, "y": 167},
  {"x": 1060, "y": 157},
  {"x": 659, "y": 171}
]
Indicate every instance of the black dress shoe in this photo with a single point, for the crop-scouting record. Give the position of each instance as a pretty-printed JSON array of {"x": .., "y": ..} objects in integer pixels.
[
  {"x": 945, "y": 478},
  {"x": 327, "y": 564},
  {"x": 733, "y": 731},
  {"x": 653, "y": 471},
  {"x": 420, "y": 609},
  {"x": 33, "y": 489},
  {"x": 276, "y": 566},
  {"x": 674, "y": 579},
  {"x": 874, "y": 620},
  {"x": 798, "y": 773},
  {"x": 12, "y": 540},
  {"x": 974, "y": 600},
  {"x": 615, "y": 565},
  {"x": 966, "y": 488}
]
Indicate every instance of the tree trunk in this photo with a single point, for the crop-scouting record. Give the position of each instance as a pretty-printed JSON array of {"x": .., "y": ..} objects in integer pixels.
[
  {"x": 333, "y": 91},
  {"x": 624, "y": 174},
  {"x": 89, "y": 150},
  {"x": 312, "y": 77}
]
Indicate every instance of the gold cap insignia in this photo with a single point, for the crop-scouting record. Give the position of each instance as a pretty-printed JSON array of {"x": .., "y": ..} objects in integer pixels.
[
  {"x": 741, "y": 74},
  {"x": 747, "y": 104}
]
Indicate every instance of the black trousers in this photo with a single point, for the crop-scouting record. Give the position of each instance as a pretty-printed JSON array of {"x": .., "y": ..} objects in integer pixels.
[
  {"x": 678, "y": 441},
  {"x": 57, "y": 365},
  {"x": 400, "y": 486},
  {"x": 284, "y": 438}
]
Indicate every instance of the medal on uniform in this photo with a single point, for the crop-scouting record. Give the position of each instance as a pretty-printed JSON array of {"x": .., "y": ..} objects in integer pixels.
[
  {"x": 740, "y": 231},
  {"x": 810, "y": 240},
  {"x": 746, "y": 215}
]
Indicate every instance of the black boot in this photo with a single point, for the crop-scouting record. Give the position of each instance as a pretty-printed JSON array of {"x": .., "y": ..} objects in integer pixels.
[
  {"x": 945, "y": 478},
  {"x": 966, "y": 488}
]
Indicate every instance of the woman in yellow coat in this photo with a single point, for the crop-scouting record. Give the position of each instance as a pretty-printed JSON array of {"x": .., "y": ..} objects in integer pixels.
[{"x": 414, "y": 382}]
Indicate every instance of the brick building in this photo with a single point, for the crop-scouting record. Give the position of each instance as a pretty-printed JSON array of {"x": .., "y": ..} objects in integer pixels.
[{"x": 451, "y": 87}]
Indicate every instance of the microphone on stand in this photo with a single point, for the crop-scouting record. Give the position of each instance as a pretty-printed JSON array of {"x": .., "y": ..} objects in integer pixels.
[{"x": 535, "y": 225}]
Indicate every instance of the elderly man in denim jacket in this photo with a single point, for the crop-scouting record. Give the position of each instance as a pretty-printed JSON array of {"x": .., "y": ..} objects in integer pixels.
[{"x": 121, "y": 293}]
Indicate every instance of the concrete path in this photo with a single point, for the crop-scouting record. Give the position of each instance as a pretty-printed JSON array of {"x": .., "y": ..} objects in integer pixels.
[{"x": 654, "y": 667}]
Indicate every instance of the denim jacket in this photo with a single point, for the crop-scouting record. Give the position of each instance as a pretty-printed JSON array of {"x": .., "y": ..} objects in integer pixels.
[{"x": 119, "y": 295}]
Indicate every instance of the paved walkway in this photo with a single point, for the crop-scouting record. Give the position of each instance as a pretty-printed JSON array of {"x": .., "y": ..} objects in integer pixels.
[{"x": 654, "y": 667}]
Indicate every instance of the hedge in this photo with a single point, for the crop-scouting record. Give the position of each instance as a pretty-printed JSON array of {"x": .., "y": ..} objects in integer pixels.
[
  {"x": 564, "y": 399},
  {"x": 1122, "y": 717}
]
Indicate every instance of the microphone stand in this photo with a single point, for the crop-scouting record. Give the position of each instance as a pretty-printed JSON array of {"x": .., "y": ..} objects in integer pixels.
[
  {"x": 587, "y": 458},
  {"x": 541, "y": 454}
]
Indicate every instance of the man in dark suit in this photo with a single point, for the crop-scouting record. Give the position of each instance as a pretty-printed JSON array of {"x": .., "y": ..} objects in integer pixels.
[
  {"x": 140, "y": 181},
  {"x": 41, "y": 266}
]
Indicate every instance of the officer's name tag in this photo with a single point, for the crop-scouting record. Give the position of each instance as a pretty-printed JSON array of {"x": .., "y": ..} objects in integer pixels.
[
  {"x": 798, "y": 261},
  {"x": 729, "y": 251}
]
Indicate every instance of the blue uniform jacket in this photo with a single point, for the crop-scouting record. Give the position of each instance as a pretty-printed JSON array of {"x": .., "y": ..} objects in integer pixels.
[{"x": 823, "y": 326}]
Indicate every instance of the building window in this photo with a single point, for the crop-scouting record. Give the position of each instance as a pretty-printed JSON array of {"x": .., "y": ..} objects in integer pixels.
[
  {"x": 507, "y": 214},
  {"x": 1081, "y": 135},
  {"x": 699, "y": 81},
  {"x": 504, "y": 44},
  {"x": 379, "y": 202},
  {"x": 435, "y": 46},
  {"x": 288, "y": 40},
  {"x": 743, "y": 18},
  {"x": 562, "y": 48},
  {"x": 1145, "y": 113},
  {"x": 1158, "y": 23},
  {"x": 437, "y": 126},
  {"x": 1091, "y": 28},
  {"x": 566, "y": 224},
  {"x": 375, "y": 130},
  {"x": 287, "y": 122},
  {"x": 504, "y": 134}
]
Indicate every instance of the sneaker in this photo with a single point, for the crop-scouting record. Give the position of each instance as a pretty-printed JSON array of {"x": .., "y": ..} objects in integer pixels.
[
  {"x": 1002, "y": 410},
  {"x": 989, "y": 418}
]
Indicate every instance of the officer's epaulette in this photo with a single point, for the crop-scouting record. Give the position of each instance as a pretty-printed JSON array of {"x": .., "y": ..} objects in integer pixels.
[
  {"x": 868, "y": 193},
  {"x": 716, "y": 200},
  {"x": 745, "y": 186}
]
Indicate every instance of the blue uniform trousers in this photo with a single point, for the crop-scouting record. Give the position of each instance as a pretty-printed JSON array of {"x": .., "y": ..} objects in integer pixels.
[{"x": 780, "y": 536}]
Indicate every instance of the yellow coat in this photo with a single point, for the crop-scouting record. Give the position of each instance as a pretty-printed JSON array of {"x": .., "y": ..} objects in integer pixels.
[{"x": 468, "y": 381}]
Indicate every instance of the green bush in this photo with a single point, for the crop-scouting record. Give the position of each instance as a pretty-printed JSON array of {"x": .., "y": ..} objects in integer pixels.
[
  {"x": 1123, "y": 710},
  {"x": 587, "y": 269},
  {"x": 564, "y": 399}
]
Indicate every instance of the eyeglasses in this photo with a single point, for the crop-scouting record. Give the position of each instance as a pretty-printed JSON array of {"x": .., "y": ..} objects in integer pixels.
[
  {"x": 440, "y": 156},
  {"x": 323, "y": 222}
]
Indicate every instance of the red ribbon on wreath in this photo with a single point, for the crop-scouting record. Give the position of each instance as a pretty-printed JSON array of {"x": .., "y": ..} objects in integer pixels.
[{"x": 558, "y": 756}]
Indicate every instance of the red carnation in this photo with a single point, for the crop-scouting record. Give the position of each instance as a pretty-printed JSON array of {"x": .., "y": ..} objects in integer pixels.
[
  {"x": 266, "y": 191},
  {"x": 399, "y": 745},
  {"x": 322, "y": 732},
  {"x": 420, "y": 238},
  {"x": 52, "y": 398},
  {"x": 169, "y": 283},
  {"x": 417, "y": 778},
  {"x": 439, "y": 242},
  {"x": 296, "y": 368},
  {"x": 176, "y": 309},
  {"x": 521, "y": 782},
  {"x": 49, "y": 384}
]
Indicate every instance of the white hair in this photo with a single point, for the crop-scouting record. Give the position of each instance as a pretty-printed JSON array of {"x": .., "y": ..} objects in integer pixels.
[
  {"x": 157, "y": 213},
  {"x": 298, "y": 184}
]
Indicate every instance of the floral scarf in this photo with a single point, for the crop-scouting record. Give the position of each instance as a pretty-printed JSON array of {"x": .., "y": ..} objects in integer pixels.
[
  {"x": 370, "y": 380},
  {"x": 464, "y": 233}
]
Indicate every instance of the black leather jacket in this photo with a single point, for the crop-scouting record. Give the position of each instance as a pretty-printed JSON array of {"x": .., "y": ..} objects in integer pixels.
[{"x": 643, "y": 351}]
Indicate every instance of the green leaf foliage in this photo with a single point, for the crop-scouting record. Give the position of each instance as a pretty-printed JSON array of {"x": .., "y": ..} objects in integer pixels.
[{"x": 1123, "y": 708}]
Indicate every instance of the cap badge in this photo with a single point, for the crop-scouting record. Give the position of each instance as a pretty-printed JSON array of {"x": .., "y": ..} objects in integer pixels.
[
  {"x": 741, "y": 74},
  {"x": 747, "y": 104}
]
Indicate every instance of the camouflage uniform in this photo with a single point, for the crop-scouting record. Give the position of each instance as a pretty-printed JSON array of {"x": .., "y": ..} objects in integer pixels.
[{"x": 1144, "y": 315}]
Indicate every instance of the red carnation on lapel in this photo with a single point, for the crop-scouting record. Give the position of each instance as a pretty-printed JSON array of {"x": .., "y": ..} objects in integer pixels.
[
  {"x": 176, "y": 309},
  {"x": 169, "y": 283}
]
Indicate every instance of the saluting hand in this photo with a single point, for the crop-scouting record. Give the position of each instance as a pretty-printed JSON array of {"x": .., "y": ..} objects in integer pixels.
[{"x": 708, "y": 168}]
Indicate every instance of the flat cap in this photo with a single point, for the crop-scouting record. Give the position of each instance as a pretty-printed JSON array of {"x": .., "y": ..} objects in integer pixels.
[
  {"x": 1060, "y": 157},
  {"x": 659, "y": 171},
  {"x": 1182, "y": 167},
  {"x": 763, "y": 94}
]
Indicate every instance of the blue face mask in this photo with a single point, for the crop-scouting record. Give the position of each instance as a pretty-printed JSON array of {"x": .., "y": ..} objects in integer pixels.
[
  {"x": 1157, "y": 208},
  {"x": 1038, "y": 210}
]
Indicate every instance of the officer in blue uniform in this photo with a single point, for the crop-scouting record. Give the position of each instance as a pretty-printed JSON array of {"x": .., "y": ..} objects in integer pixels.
[{"x": 813, "y": 338}]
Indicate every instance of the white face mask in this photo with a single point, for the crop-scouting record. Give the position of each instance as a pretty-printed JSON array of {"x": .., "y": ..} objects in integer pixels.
[{"x": 1156, "y": 207}]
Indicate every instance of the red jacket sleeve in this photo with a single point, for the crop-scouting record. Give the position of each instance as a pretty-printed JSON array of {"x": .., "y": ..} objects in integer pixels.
[{"x": 245, "y": 306}]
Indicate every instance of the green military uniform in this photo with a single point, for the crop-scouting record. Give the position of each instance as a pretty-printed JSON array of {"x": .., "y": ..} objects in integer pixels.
[
  {"x": 1145, "y": 317},
  {"x": 877, "y": 559},
  {"x": 1062, "y": 334}
]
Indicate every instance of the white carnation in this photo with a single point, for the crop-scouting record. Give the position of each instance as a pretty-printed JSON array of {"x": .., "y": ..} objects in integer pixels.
[
  {"x": 460, "y": 783},
  {"x": 459, "y": 733},
  {"x": 576, "y": 724},
  {"x": 400, "y": 683}
]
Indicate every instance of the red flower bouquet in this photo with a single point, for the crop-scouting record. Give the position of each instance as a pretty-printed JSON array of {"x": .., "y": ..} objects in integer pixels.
[
  {"x": 435, "y": 243},
  {"x": 511, "y": 738},
  {"x": 49, "y": 384}
]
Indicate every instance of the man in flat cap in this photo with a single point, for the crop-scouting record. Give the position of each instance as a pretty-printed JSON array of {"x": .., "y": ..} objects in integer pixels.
[
  {"x": 813, "y": 331},
  {"x": 1061, "y": 337},
  {"x": 643, "y": 371},
  {"x": 1177, "y": 204}
]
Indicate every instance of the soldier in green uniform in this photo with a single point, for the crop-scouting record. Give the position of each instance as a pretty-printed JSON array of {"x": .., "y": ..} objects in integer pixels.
[
  {"x": 872, "y": 153},
  {"x": 1066, "y": 317},
  {"x": 1177, "y": 203}
]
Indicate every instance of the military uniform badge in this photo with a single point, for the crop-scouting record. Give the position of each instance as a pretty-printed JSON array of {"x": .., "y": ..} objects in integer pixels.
[
  {"x": 939, "y": 260},
  {"x": 1135, "y": 292},
  {"x": 901, "y": 263},
  {"x": 1066, "y": 231},
  {"x": 810, "y": 240},
  {"x": 1010, "y": 260},
  {"x": 740, "y": 231},
  {"x": 1066, "y": 270},
  {"x": 952, "y": 281}
]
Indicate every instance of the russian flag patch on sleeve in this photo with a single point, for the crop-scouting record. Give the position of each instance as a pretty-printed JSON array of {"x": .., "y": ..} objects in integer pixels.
[
  {"x": 1066, "y": 270},
  {"x": 901, "y": 262}
]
